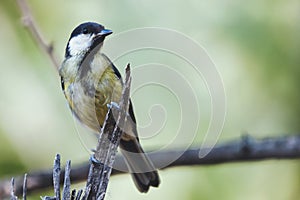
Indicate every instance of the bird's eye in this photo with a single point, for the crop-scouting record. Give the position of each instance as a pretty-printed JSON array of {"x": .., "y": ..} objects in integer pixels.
[{"x": 85, "y": 31}]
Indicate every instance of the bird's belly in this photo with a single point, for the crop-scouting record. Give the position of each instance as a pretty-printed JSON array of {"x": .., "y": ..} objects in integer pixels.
[
  {"x": 89, "y": 101},
  {"x": 88, "y": 109}
]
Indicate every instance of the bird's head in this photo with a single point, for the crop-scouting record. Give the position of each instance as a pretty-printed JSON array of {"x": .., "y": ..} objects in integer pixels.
[{"x": 86, "y": 37}]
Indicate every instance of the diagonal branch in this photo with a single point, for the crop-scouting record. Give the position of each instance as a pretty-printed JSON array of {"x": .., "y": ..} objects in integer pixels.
[
  {"x": 30, "y": 24},
  {"x": 245, "y": 149}
]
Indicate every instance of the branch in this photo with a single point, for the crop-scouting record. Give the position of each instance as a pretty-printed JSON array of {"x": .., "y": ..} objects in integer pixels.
[
  {"x": 56, "y": 177},
  {"x": 29, "y": 23},
  {"x": 108, "y": 142},
  {"x": 244, "y": 149}
]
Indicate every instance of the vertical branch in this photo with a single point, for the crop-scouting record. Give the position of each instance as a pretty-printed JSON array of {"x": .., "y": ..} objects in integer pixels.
[
  {"x": 108, "y": 142},
  {"x": 56, "y": 176},
  {"x": 67, "y": 182},
  {"x": 12, "y": 190},
  {"x": 29, "y": 23},
  {"x": 121, "y": 113},
  {"x": 78, "y": 194},
  {"x": 25, "y": 187},
  {"x": 73, "y": 194},
  {"x": 88, "y": 186}
]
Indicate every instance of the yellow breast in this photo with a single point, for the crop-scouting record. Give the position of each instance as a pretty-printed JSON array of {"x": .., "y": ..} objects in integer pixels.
[{"x": 89, "y": 94}]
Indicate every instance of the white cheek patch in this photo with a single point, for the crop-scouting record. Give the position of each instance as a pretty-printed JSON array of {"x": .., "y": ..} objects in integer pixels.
[{"x": 80, "y": 44}]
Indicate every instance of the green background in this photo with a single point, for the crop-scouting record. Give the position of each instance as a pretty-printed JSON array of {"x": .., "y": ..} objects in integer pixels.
[{"x": 254, "y": 45}]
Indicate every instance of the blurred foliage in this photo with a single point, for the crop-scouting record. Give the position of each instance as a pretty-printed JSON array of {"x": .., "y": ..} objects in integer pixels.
[
  {"x": 255, "y": 46},
  {"x": 10, "y": 162},
  {"x": 270, "y": 39}
]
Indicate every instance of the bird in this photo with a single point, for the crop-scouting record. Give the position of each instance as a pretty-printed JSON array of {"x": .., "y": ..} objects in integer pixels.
[{"x": 90, "y": 82}]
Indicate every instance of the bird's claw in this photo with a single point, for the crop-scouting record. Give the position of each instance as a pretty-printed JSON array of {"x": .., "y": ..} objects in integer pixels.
[{"x": 113, "y": 105}]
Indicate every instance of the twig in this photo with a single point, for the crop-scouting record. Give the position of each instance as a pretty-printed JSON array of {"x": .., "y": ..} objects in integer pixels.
[
  {"x": 56, "y": 176},
  {"x": 73, "y": 194},
  {"x": 86, "y": 192},
  {"x": 29, "y": 23},
  {"x": 78, "y": 194},
  {"x": 98, "y": 164},
  {"x": 108, "y": 142},
  {"x": 245, "y": 149},
  {"x": 12, "y": 194},
  {"x": 67, "y": 182},
  {"x": 25, "y": 187}
]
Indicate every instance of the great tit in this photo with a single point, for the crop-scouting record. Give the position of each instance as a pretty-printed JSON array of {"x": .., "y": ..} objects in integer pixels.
[{"x": 90, "y": 82}]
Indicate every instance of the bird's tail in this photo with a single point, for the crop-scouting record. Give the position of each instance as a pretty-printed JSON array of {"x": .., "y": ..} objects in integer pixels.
[{"x": 140, "y": 166}]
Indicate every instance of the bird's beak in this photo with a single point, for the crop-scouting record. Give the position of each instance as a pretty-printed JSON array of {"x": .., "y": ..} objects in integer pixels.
[
  {"x": 99, "y": 37},
  {"x": 105, "y": 32}
]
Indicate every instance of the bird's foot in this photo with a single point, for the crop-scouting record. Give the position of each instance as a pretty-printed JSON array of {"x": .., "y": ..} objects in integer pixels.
[{"x": 113, "y": 105}]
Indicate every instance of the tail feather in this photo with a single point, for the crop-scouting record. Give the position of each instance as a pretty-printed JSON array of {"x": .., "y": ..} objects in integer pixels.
[{"x": 141, "y": 168}]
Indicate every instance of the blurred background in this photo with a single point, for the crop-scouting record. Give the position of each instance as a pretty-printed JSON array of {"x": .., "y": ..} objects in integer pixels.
[{"x": 255, "y": 47}]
